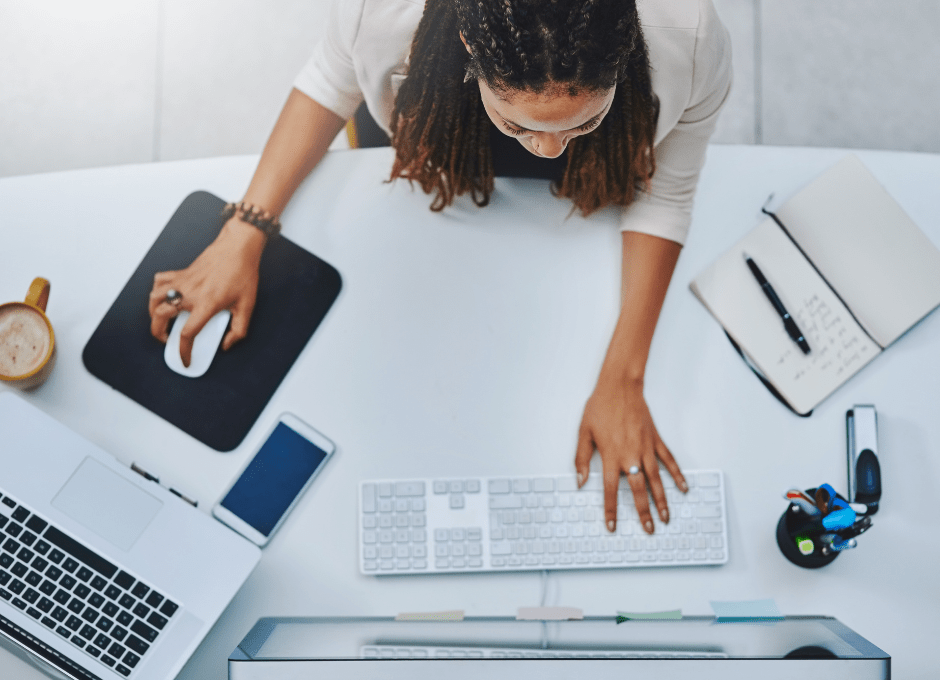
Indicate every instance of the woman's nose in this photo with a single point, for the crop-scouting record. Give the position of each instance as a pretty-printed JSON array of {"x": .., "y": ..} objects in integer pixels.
[{"x": 549, "y": 146}]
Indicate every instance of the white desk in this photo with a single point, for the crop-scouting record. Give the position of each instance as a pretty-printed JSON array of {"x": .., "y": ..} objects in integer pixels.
[{"x": 466, "y": 344}]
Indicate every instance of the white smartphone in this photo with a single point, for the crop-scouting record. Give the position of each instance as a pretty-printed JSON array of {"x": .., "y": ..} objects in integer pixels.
[{"x": 268, "y": 487}]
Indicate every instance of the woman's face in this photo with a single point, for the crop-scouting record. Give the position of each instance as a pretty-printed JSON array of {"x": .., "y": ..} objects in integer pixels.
[{"x": 545, "y": 123}]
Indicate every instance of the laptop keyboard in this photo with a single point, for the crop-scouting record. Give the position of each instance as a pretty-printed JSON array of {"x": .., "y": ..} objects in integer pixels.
[{"x": 97, "y": 607}]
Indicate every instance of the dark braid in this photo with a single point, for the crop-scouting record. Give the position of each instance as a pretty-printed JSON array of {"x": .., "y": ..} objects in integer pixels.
[{"x": 440, "y": 129}]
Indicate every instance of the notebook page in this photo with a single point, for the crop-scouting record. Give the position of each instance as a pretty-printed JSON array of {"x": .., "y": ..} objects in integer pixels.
[
  {"x": 884, "y": 268},
  {"x": 839, "y": 347}
]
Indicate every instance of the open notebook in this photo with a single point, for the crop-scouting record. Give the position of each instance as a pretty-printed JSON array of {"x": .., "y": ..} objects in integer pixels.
[{"x": 848, "y": 264}]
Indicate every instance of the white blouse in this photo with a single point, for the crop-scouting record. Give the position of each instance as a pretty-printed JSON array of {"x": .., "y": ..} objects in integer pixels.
[{"x": 364, "y": 57}]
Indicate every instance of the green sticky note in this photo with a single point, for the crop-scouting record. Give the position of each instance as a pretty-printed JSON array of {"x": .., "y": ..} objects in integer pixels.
[{"x": 649, "y": 616}]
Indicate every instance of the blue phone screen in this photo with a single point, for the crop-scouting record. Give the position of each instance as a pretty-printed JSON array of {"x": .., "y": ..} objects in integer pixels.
[{"x": 273, "y": 479}]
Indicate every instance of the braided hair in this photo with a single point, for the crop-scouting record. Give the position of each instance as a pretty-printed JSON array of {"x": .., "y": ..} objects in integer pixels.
[{"x": 440, "y": 129}]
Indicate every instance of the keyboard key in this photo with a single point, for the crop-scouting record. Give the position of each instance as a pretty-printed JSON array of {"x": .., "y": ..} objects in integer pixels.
[
  {"x": 102, "y": 641},
  {"x": 123, "y": 670},
  {"x": 409, "y": 489},
  {"x": 138, "y": 645},
  {"x": 67, "y": 582},
  {"x": 59, "y": 614},
  {"x": 89, "y": 615},
  {"x": 108, "y": 661},
  {"x": 42, "y": 547},
  {"x": 4, "y": 578},
  {"x": 19, "y": 569},
  {"x": 6, "y": 560},
  {"x": 61, "y": 596},
  {"x": 499, "y": 486},
  {"x": 39, "y": 564},
  {"x": 98, "y": 583},
  {"x": 14, "y": 529},
  {"x": 48, "y": 623},
  {"x": 440, "y": 486},
  {"x": 77, "y": 641},
  {"x": 9, "y": 502},
  {"x": 131, "y": 659},
  {"x": 30, "y": 596},
  {"x": 96, "y": 600},
  {"x": 118, "y": 633},
  {"x": 456, "y": 501},
  {"x": 124, "y": 580},
  {"x": 110, "y": 609},
  {"x": 81, "y": 591},
  {"x": 127, "y": 601},
  {"x": 94, "y": 651},
  {"x": 140, "y": 590},
  {"x": 87, "y": 632},
  {"x": 112, "y": 591},
  {"x": 33, "y": 579},
  {"x": 64, "y": 632},
  {"x": 26, "y": 554},
  {"x": 11, "y": 546},
  {"x": 104, "y": 624},
  {"x": 169, "y": 608},
  {"x": 141, "y": 610},
  {"x": 55, "y": 556},
  {"x": 17, "y": 602},
  {"x": 17, "y": 586},
  {"x": 156, "y": 621},
  {"x": 144, "y": 631},
  {"x": 35, "y": 613},
  {"x": 74, "y": 623},
  {"x": 84, "y": 574},
  {"x": 20, "y": 514},
  {"x": 70, "y": 565},
  {"x": 125, "y": 618},
  {"x": 76, "y": 606},
  {"x": 28, "y": 538}
]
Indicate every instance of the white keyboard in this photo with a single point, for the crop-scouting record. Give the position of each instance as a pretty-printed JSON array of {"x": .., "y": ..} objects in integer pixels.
[
  {"x": 437, "y": 652},
  {"x": 426, "y": 526}
]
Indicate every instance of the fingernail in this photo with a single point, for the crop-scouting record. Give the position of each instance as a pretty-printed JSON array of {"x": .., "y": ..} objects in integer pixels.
[
  {"x": 664, "y": 514},
  {"x": 684, "y": 486},
  {"x": 649, "y": 526},
  {"x": 611, "y": 526},
  {"x": 580, "y": 479}
]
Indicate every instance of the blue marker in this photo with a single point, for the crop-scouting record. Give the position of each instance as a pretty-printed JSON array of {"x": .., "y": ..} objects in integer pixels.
[{"x": 834, "y": 521}]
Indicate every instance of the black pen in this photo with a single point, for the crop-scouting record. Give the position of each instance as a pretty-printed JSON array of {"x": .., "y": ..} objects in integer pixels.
[{"x": 788, "y": 323}]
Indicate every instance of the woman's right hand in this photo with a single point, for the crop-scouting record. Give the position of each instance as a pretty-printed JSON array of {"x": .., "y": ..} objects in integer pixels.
[{"x": 224, "y": 276}]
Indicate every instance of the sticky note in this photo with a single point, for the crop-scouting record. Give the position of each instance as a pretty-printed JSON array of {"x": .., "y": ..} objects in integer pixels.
[
  {"x": 672, "y": 614},
  {"x": 453, "y": 615},
  {"x": 747, "y": 610},
  {"x": 549, "y": 613}
]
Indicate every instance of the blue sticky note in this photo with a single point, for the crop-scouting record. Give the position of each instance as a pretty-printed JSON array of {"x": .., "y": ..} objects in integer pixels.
[{"x": 747, "y": 610}]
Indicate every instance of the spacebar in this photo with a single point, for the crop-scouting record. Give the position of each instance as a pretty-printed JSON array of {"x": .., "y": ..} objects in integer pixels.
[{"x": 79, "y": 552}]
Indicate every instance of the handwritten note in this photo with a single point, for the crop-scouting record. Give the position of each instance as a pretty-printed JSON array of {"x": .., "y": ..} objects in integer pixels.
[{"x": 838, "y": 345}]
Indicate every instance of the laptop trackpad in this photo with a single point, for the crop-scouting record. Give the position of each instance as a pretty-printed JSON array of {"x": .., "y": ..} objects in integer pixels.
[{"x": 103, "y": 501}]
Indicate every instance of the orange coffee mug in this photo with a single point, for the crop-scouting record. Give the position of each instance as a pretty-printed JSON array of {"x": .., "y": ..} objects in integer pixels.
[{"x": 27, "y": 342}]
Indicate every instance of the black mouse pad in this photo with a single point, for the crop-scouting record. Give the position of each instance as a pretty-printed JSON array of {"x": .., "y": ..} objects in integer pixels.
[{"x": 295, "y": 292}]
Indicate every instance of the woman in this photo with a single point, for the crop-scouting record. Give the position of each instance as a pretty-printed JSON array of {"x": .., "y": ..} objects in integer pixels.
[{"x": 617, "y": 104}]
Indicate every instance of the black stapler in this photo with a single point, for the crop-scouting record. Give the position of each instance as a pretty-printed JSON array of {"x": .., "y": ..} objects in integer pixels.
[{"x": 861, "y": 424}]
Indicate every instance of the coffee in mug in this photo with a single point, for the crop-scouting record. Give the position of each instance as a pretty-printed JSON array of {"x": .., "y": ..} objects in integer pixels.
[{"x": 27, "y": 342}]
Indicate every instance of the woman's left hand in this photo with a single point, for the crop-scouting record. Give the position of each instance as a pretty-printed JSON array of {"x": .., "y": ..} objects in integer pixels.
[{"x": 617, "y": 423}]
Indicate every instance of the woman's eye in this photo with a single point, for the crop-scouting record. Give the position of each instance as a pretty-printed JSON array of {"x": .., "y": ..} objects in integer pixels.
[{"x": 514, "y": 131}]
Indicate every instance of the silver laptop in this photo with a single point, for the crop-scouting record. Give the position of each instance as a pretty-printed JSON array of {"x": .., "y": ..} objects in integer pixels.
[{"x": 103, "y": 574}]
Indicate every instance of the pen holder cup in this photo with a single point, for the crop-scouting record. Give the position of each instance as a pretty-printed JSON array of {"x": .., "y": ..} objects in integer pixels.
[{"x": 788, "y": 528}]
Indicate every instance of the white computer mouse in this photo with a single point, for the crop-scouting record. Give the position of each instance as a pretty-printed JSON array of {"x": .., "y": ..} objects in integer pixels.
[{"x": 205, "y": 344}]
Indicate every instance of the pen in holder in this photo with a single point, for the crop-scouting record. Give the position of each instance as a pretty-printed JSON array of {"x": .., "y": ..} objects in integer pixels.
[{"x": 811, "y": 552}]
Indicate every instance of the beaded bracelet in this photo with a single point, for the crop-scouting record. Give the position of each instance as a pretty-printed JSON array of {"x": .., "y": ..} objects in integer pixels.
[{"x": 253, "y": 215}]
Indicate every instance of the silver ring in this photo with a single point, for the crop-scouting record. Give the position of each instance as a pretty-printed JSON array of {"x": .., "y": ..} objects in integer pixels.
[
  {"x": 634, "y": 470},
  {"x": 174, "y": 297}
]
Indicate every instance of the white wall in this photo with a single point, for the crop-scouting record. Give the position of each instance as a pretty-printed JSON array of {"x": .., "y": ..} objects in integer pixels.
[{"x": 99, "y": 82}]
